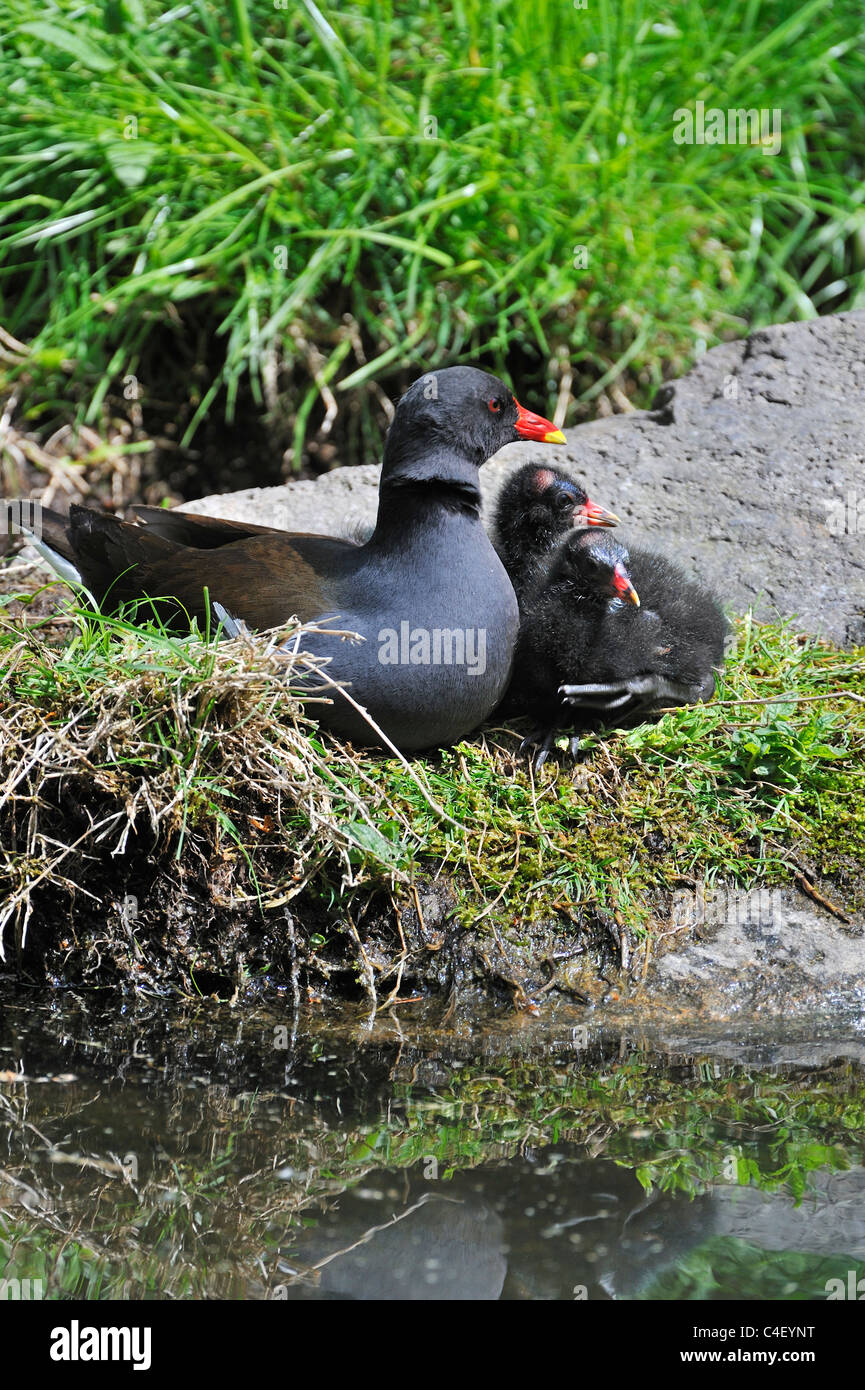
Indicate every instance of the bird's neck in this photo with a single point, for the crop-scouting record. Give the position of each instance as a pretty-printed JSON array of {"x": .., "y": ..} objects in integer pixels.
[
  {"x": 416, "y": 485},
  {"x": 523, "y": 541}
]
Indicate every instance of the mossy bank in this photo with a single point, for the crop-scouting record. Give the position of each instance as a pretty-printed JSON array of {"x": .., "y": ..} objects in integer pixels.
[{"x": 172, "y": 821}]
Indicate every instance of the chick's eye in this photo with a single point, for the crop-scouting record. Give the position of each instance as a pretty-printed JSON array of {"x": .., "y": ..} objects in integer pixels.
[{"x": 495, "y": 406}]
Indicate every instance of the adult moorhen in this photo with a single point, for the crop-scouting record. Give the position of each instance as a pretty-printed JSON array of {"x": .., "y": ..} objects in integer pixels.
[
  {"x": 536, "y": 507},
  {"x": 427, "y": 595},
  {"x": 589, "y": 643}
]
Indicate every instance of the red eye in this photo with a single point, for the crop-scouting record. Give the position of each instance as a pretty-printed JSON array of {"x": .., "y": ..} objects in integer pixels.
[{"x": 495, "y": 406}]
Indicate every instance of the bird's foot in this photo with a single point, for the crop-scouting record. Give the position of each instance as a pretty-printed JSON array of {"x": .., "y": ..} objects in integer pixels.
[
  {"x": 644, "y": 691},
  {"x": 538, "y": 745}
]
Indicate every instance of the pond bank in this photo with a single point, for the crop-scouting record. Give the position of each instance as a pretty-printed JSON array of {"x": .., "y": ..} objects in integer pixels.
[{"x": 172, "y": 822}]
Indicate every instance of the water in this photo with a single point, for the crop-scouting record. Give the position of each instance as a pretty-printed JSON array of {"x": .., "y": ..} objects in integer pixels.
[{"x": 198, "y": 1153}]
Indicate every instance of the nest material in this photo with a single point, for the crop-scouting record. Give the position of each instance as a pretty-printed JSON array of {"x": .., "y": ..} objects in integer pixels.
[{"x": 193, "y": 756}]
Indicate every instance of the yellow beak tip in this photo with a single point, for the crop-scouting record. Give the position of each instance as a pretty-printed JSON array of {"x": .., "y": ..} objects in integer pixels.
[{"x": 555, "y": 437}]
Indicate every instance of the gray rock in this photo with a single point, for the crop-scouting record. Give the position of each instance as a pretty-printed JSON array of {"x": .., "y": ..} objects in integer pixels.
[
  {"x": 749, "y": 470},
  {"x": 764, "y": 954}
]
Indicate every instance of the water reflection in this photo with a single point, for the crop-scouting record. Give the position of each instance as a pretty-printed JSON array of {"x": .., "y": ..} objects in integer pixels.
[
  {"x": 561, "y": 1227},
  {"x": 186, "y": 1155}
]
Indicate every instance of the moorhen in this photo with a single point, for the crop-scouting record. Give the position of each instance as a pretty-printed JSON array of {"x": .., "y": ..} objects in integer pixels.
[
  {"x": 588, "y": 642},
  {"x": 427, "y": 595},
  {"x": 536, "y": 507}
]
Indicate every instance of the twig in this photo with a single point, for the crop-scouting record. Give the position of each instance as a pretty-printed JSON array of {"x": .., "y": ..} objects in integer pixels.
[
  {"x": 804, "y": 878},
  {"x": 792, "y": 697},
  {"x": 427, "y": 796},
  {"x": 391, "y": 998},
  {"x": 420, "y": 919},
  {"x": 819, "y": 897},
  {"x": 376, "y": 1230},
  {"x": 366, "y": 970}
]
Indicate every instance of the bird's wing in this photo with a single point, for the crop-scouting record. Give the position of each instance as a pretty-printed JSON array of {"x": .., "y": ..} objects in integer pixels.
[{"x": 204, "y": 532}]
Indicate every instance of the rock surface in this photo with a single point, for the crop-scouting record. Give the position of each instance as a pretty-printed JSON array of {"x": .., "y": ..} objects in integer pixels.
[
  {"x": 750, "y": 469},
  {"x": 760, "y": 955}
]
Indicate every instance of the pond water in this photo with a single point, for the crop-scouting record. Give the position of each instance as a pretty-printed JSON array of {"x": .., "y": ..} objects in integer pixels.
[{"x": 176, "y": 1152}]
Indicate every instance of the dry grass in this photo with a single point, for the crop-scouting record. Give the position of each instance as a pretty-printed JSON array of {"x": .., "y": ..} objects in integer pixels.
[{"x": 121, "y": 737}]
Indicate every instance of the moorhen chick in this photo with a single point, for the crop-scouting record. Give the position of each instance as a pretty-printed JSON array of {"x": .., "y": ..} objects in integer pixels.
[
  {"x": 536, "y": 507},
  {"x": 589, "y": 643},
  {"x": 427, "y": 595}
]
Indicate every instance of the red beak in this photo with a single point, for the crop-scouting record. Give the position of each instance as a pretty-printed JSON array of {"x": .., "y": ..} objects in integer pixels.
[
  {"x": 531, "y": 426},
  {"x": 623, "y": 586},
  {"x": 590, "y": 514}
]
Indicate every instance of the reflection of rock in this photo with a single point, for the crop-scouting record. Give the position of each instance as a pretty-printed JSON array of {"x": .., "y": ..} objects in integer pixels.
[
  {"x": 654, "y": 1239},
  {"x": 555, "y": 1226},
  {"x": 744, "y": 468},
  {"x": 744, "y": 1045},
  {"x": 829, "y": 1220},
  {"x": 433, "y": 1248}
]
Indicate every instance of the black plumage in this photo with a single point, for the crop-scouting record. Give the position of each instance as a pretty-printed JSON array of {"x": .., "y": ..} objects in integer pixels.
[
  {"x": 535, "y": 508},
  {"x": 588, "y": 647}
]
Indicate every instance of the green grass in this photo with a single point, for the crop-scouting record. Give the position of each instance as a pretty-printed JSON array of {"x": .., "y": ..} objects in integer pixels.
[
  {"x": 319, "y": 195},
  {"x": 724, "y": 791}
]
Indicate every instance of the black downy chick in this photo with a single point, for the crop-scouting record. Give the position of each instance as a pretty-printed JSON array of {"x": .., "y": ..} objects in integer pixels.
[
  {"x": 588, "y": 643},
  {"x": 537, "y": 507},
  {"x": 560, "y": 623}
]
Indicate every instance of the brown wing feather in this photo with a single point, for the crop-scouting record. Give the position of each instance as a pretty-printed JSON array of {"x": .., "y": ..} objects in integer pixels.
[
  {"x": 206, "y": 532},
  {"x": 264, "y": 583},
  {"x": 265, "y": 578}
]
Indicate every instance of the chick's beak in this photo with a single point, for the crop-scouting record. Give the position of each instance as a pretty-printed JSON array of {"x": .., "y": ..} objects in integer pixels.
[
  {"x": 590, "y": 514},
  {"x": 623, "y": 586},
  {"x": 532, "y": 426}
]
